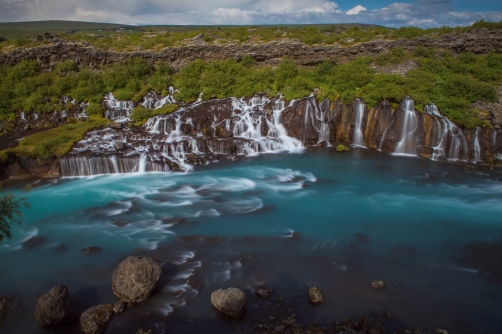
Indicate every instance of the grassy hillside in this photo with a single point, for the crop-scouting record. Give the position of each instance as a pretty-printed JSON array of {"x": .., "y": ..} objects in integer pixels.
[{"x": 13, "y": 30}]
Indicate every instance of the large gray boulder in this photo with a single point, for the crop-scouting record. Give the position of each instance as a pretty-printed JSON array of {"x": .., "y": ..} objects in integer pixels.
[
  {"x": 95, "y": 319},
  {"x": 231, "y": 301},
  {"x": 134, "y": 278},
  {"x": 55, "y": 307}
]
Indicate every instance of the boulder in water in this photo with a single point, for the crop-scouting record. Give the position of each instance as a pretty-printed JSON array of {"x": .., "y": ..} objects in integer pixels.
[
  {"x": 92, "y": 250},
  {"x": 315, "y": 296},
  {"x": 115, "y": 125},
  {"x": 231, "y": 301},
  {"x": 118, "y": 145},
  {"x": 263, "y": 293},
  {"x": 119, "y": 306},
  {"x": 134, "y": 278},
  {"x": 377, "y": 284},
  {"x": 342, "y": 148},
  {"x": 4, "y": 305},
  {"x": 55, "y": 307},
  {"x": 34, "y": 242},
  {"x": 95, "y": 319}
]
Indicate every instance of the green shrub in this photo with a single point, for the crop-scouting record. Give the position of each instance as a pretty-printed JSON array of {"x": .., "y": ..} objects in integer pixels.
[
  {"x": 55, "y": 142},
  {"x": 141, "y": 114}
]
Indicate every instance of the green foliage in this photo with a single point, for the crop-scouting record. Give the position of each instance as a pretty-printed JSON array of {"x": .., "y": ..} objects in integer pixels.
[
  {"x": 421, "y": 51},
  {"x": 140, "y": 114},
  {"x": 66, "y": 67},
  {"x": 10, "y": 213},
  {"x": 141, "y": 331},
  {"x": 55, "y": 142},
  {"x": 394, "y": 56}
]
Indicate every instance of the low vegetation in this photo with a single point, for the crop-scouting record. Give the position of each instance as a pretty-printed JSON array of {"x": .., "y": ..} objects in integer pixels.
[
  {"x": 159, "y": 37},
  {"x": 451, "y": 81},
  {"x": 141, "y": 114},
  {"x": 55, "y": 142}
]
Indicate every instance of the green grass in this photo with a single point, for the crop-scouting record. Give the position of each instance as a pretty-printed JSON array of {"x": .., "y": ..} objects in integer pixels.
[
  {"x": 55, "y": 142},
  {"x": 140, "y": 114}
]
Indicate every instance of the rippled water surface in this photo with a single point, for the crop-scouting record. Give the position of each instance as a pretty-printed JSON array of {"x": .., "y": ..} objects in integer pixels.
[{"x": 290, "y": 221}]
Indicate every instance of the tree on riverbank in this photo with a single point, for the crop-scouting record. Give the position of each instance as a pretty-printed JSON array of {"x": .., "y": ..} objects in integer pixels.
[{"x": 10, "y": 212}]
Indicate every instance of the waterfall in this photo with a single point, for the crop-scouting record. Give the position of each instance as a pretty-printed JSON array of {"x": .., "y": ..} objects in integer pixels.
[
  {"x": 448, "y": 140},
  {"x": 240, "y": 127},
  {"x": 358, "y": 139},
  {"x": 496, "y": 148},
  {"x": 406, "y": 144},
  {"x": 86, "y": 166},
  {"x": 154, "y": 101},
  {"x": 116, "y": 109},
  {"x": 477, "y": 148},
  {"x": 319, "y": 117}
]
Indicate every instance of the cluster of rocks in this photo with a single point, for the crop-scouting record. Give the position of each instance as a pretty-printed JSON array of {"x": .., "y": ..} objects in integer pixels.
[{"x": 133, "y": 281}]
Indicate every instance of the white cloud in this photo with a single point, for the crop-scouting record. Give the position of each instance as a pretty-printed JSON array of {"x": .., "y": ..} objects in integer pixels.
[
  {"x": 356, "y": 10},
  {"x": 425, "y": 13}
]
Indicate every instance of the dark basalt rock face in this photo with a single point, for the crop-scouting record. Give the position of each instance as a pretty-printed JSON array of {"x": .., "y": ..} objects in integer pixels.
[
  {"x": 55, "y": 307},
  {"x": 476, "y": 40}
]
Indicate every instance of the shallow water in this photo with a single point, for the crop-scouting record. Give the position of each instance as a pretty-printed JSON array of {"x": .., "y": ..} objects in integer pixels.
[{"x": 290, "y": 221}]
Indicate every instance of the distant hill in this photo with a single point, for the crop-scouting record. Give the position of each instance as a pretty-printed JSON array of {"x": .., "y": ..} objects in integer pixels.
[
  {"x": 11, "y": 30},
  {"x": 24, "y": 29}
]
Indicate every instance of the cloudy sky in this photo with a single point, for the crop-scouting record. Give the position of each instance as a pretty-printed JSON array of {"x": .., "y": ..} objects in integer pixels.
[{"x": 423, "y": 13}]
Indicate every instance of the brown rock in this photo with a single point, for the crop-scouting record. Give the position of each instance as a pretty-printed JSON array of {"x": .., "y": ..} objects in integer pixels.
[
  {"x": 377, "y": 284},
  {"x": 119, "y": 306},
  {"x": 231, "y": 301},
  {"x": 55, "y": 307},
  {"x": 134, "y": 279},
  {"x": 95, "y": 319},
  {"x": 315, "y": 296}
]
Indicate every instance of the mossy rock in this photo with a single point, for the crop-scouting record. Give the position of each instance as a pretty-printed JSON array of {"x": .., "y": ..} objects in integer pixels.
[{"x": 342, "y": 148}]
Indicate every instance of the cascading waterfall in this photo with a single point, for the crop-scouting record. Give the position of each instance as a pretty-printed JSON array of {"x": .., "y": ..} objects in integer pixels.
[
  {"x": 407, "y": 144},
  {"x": 477, "y": 148},
  {"x": 116, "y": 109},
  {"x": 358, "y": 139},
  {"x": 449, "y": 141},
  {"x": 154, "y": 101},
  {"x": 319, "y": 117},
  {"x": 171, "y": 140}
]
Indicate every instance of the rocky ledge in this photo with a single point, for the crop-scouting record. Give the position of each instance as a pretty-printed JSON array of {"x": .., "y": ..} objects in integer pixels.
[{"x": 476, "y": 40}]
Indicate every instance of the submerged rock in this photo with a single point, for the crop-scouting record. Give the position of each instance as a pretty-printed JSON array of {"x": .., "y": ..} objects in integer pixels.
[
  {"x": 231, "y": 301},
  {"x": 263, "y": 293},
  {"x": 34, "y": 242},
  {"x": 95, "y": 319},
  {"x": 4, "y": 305},
  {"x": 119, "y": 306},
  {"x": 134, "y": 278},
  {"x": 91, "y": 250},
  {"x": 55, "y": 307},
  {"x": 342, "y": 148},
  {"x": 315, "y": 296},
  {"x": 377, "y": 284}
]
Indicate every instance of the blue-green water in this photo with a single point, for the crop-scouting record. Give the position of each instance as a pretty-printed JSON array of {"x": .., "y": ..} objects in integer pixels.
[{"x": 291, "y": 221}]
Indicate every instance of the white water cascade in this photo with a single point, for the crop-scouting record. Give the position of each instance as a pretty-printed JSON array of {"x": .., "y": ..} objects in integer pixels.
[
  {"x": 406, "y": 144},
  {"x": 240, "y": 127},
  {"x": 319, "y": 117},
  {"x": 477, "y": 148},
  {"x": 154, "y": 101},
  {"x": 116, "y": 109},
  {"x": 448, "y": 141},
  {"x": 358, "y": 139}
]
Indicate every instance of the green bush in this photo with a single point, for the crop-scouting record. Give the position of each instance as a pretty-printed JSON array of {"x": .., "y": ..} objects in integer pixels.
[{"x": 140, "y": 114}]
